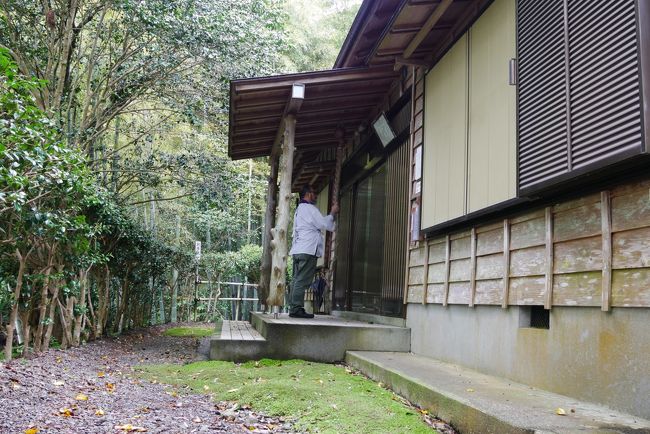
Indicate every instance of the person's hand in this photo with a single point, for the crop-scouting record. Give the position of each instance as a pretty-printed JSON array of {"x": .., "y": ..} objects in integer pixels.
[{"x": 335, "y": 209}]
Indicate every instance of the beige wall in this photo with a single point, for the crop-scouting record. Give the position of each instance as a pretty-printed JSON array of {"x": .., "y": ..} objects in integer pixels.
[
  {"x": 445, "y": 138},
  {"x": 469, "y": 121},
  {"x": 492, "y": 171}
]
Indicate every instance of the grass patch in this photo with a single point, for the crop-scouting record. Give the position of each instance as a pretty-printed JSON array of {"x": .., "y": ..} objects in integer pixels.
[
  {"x": 318, "y": 397},
  {"x": 190, "y": 332}
]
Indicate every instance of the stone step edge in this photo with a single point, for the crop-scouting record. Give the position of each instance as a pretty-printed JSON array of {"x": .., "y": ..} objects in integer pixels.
[{"x": 452, "y": 409}]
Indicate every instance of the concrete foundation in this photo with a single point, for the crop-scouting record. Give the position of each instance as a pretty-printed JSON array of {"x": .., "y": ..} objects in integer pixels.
[
  {"x": 595, "y": 356},
  {"x": 322, "y": 339}
]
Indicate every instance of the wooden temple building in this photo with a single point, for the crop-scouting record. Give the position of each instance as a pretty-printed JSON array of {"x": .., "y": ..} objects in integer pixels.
[{"x": 490, "y": 159}]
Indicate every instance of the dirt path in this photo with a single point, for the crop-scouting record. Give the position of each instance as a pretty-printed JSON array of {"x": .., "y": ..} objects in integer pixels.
[{"x": 92, "y": 389}]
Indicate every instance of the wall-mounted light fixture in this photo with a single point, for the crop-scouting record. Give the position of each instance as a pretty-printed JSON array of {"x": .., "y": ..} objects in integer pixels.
[{"x": 383, "y": 130}]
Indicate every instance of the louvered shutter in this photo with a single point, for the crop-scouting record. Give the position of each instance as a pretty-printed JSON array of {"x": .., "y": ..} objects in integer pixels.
[
  {"x": 604, "y": 80},
  {"x": 579, "y": 95},
  {"x": 542, "y": 91}
]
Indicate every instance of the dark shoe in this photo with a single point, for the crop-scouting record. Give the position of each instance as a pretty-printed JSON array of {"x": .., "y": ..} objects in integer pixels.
[{"x": 300, "y": 313}]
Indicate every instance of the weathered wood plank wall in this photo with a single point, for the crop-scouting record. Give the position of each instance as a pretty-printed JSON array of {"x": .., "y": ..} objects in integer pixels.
[{"x": 591, "y": 251}]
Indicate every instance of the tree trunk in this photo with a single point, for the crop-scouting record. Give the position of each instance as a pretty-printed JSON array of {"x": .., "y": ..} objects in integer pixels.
[
  {"x": 45, "y": 344},
  {"x": 45, "y": 301},
  {"x": 174, "y": 301},
  {"x": 79, "y": 319},
  {"x": 22, "y": 259},
  {"x": 102, "y": 304},
  {"x": 269, "y": 221},
  {"x": 277, "y": 286}
]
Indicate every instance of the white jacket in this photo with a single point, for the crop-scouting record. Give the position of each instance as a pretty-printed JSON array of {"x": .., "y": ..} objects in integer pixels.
[{"x": 308, "y": 223}]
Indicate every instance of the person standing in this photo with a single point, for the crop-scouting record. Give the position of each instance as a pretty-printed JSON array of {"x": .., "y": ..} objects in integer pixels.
[{"x": 307, "y": 247}]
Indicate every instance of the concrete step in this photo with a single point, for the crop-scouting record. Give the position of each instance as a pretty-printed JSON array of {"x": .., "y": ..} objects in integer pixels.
[
  {"x": 324, "y": 338},
  {"x": 476, "y": 403}
]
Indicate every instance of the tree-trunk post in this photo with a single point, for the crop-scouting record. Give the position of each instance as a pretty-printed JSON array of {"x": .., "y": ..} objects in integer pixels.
[
  {"x": 278, "y": 282},
  {"x": 22, "y": 260},
  {"x": 174, "y": 283},
  {"x": 269, "y": 221},
  {"x": 336, "y": 184}
]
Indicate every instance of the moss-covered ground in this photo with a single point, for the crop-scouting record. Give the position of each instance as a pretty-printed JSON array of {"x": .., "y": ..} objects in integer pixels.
[
  {"x": 318, "y": 397},
  {"x": 191, "y": 332}
]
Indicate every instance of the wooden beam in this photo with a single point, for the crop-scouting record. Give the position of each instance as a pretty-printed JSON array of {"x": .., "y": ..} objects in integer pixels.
[
  {"x": 426, "y": 273},
  {"x": 445, "y": 296},
  {"x": 426, "y": 28},
  {"x": 548, "y": 300},
  {"x": 307, "y": 78},
  {"x": 472, "y": 265},
  {"x": 336, "y": 186},
  {"x": 506, "y": 263},
  {"x": 606, "y": 227}
]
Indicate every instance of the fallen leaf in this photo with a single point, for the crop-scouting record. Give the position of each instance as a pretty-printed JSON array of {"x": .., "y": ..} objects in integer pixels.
[
  {"x": 321, "y": 382},
  {"x": 206, "y": 387},
  {"x": 130, "y": 428},
  {"x": 31, "y": 430},
  {"x": 101, "y": 374},
  {"x": 81, "y": 397},
  {"x": 110, "y": 387},
  {"x": 232, "y": 390},
  {"x": 470, "y": 390},
  {"x": 58, "y": 360},
  {"x": 58, "y": 383},
  {"x": 560, "y": 411},
  {"x": 99, "y": 412},
  {"x": 65, "y": 412},
  {"x": 380, "y": 384}
]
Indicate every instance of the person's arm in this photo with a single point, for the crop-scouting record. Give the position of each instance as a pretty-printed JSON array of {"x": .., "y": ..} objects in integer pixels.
[{"x": 320, "y": 221}]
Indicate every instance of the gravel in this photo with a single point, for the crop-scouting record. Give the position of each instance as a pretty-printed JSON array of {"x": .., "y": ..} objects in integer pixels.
[{"x": 93, "y": 389}]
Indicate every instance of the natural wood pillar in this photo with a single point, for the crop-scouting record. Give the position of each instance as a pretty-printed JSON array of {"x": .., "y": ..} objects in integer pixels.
[
  {"x": 269, "y": 221},
  {"x": 278, "y": 282},
  {"x": 336, "y": 186}
]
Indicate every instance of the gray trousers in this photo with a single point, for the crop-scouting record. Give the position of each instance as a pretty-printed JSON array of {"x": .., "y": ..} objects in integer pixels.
[{"x": 304, "y": 268}]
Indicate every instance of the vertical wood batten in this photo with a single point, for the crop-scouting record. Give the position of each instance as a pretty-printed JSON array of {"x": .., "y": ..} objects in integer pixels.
[
  {"x": 548, "y": 301},
  {"x": 445, "y": 296},
  {"x": 425, "y": 278},
  {"x": 506, "y": 263},
  {"x": 472, "y": 271},
  {"x": 410, "y": 146},
  {"x": 606, "y": 220}
]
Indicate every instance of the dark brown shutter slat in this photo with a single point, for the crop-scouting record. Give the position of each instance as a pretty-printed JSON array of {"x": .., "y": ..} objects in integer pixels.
[
  {"x": 542, "y": 95},
  {"x": 579, "y": 92},
  {"x": 604, "y": 80}
]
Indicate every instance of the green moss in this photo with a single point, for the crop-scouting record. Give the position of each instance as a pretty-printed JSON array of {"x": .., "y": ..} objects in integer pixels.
[
  {"x": 190, "y": 332},
  {"x": 318, "y": 397}
]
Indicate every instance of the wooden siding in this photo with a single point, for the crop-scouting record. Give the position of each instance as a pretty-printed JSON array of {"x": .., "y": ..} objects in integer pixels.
[
  {"x": 591, "y": 251},
  {"x": 445, "y": 138},
  {"x": 492, "y": 176}
]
